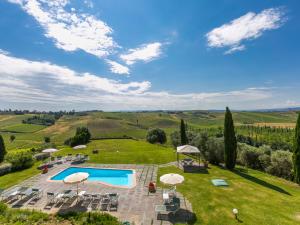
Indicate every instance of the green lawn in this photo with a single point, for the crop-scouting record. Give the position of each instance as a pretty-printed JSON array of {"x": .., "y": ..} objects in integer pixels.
[
  {"x": 260, "y": 198},
  {"x": 23, "y": 128},
  {"x": 125, "y": 151},
  {"x": 12, "y": 179}
]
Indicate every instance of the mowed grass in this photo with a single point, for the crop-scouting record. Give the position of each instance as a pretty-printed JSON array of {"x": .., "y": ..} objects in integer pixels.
[
  {"x": 23, "y": 128},
  {"x": 124, "y": 152},
  {"x": 14, "y": 178},
  {"x": 260, "y": 198}
]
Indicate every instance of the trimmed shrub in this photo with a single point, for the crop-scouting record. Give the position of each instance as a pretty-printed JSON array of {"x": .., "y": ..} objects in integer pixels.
[
  {"x": 5, "y": 168},
  {"x": 281, "y": 164},
  {"x": 215, "y": 150},
  {"x": 20, "y": 160},
  {"x": 156, "y": 136}
]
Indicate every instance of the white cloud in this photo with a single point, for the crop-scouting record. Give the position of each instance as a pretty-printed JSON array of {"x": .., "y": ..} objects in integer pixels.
[
  {"x": 247, "y": 27},
  {"x": 145, "y": 52},
  {"x": 117, "y": 67},
  {"x": 33, "y": 73},
  {"x": 70, "y": 30},
  {"x": 89, "y": 3},
  {"x": 46, "y": 86}
]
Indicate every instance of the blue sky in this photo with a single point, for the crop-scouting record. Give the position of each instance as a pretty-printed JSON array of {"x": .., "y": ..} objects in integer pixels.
[{"x": 139, "y": 55}]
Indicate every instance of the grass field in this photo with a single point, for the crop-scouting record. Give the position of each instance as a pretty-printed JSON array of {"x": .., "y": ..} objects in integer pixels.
[
  {"x": 124, "y": 152},
  {"x": 260, "y": 198}
]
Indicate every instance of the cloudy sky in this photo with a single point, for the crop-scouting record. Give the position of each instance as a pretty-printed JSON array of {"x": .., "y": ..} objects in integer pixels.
[{"x": 147, "y": 55}]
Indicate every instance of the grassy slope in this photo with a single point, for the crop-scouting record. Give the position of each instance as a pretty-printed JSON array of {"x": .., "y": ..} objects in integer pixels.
[
  {"x": 12, "y": 179},
  {"x": 260, "y": 198},
  {"x": 125, "y": 151}
]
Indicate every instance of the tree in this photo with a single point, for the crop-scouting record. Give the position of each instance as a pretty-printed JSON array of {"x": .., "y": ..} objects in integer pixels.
[
  {"x": 296, "y": 152},
  {"x": 82, "y": 136},
  {"x": 229, "y": 141},
  {"x": 183, "y": 136},
  {"x": 156, "y": 136},
  {"x": 12, "y": 138},
  {"x": 2, "y": 149},
  {"x": 47, "y": 139}
]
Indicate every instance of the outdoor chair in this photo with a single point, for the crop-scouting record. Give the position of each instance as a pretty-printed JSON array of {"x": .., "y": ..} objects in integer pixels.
[
  {"x": 69, "y": 157},
  {"x": 59, "y": 160}
]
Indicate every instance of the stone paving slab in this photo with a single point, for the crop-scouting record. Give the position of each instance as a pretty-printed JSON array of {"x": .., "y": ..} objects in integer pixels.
[{"x": 135, "y": 204}]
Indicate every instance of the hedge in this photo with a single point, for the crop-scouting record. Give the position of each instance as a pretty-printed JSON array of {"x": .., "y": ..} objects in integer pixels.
[{"x": 5, "y": 168}]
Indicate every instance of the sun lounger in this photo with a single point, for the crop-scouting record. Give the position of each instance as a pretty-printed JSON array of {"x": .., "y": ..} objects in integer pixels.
[
  {"x": 51, "y": 197},
  {"x": 114, "y": 202},
  {"x": 80, "y": 195},
  {"x": 96, "y": 200},
  {"x": 25, "y": 192},
  {"x": 68, "y": 194},
  {"x": 104, "y": 203},
  {"x": 10, "y": 194}
]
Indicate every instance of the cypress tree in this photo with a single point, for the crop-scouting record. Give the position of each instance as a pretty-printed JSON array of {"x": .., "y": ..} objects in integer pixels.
[
  {"x": 296, "y": 152},
  {"x": 183, "y": 136},
  {"x": 229, "y": 141},
  {"x": 2, "y": 149}
]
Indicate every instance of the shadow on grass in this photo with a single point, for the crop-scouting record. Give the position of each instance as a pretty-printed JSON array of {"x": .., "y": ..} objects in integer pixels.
[
  {"x": 195, "y": 169},
  {"x": 181, "y": 216},
  {"x": 243, "y": 173}
]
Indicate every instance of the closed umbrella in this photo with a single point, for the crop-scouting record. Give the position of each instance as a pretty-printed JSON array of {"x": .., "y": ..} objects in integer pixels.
[
  {"x": 76, "y": 178},
  {"x": 171, "y": 179}
]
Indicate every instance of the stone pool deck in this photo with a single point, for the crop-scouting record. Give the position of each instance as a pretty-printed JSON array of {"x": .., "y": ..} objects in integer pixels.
[{"x": 135, "y": 204}]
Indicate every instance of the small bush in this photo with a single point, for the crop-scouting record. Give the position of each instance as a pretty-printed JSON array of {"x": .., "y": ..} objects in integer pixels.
[
  {"x": 215, "y": 150},
  {"x": 281, "y": 164},
  {"x": 156, "y": 136},
  {"x": 5, "y": 168},
  {"x": 249, "y": 156},
  {"x": 20, "y": 160},
  {"x": 3, "y": 208},
  {"x": 92, "y": 218}
]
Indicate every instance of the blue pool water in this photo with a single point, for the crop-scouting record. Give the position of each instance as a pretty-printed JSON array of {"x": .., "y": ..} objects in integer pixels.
[{"x": 109, "y": 176}]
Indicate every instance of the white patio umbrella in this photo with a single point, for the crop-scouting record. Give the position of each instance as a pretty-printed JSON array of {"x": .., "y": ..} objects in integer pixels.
[
  {"x": 171, "y": 179},
  {"x": 50, "y": 150},
  {"x": 76, "y": 178},
  {"x": 79, "y": 147}
]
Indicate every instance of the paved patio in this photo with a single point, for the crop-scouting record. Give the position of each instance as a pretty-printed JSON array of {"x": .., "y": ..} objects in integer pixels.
[{"x": 135, "y": 204}]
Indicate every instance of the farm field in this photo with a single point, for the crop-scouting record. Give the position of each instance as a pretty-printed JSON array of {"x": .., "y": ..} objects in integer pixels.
[{"x": 127, "y": 124}]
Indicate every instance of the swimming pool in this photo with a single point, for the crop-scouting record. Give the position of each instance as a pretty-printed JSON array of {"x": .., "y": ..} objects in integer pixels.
[{"x": 115, "y": 177}]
